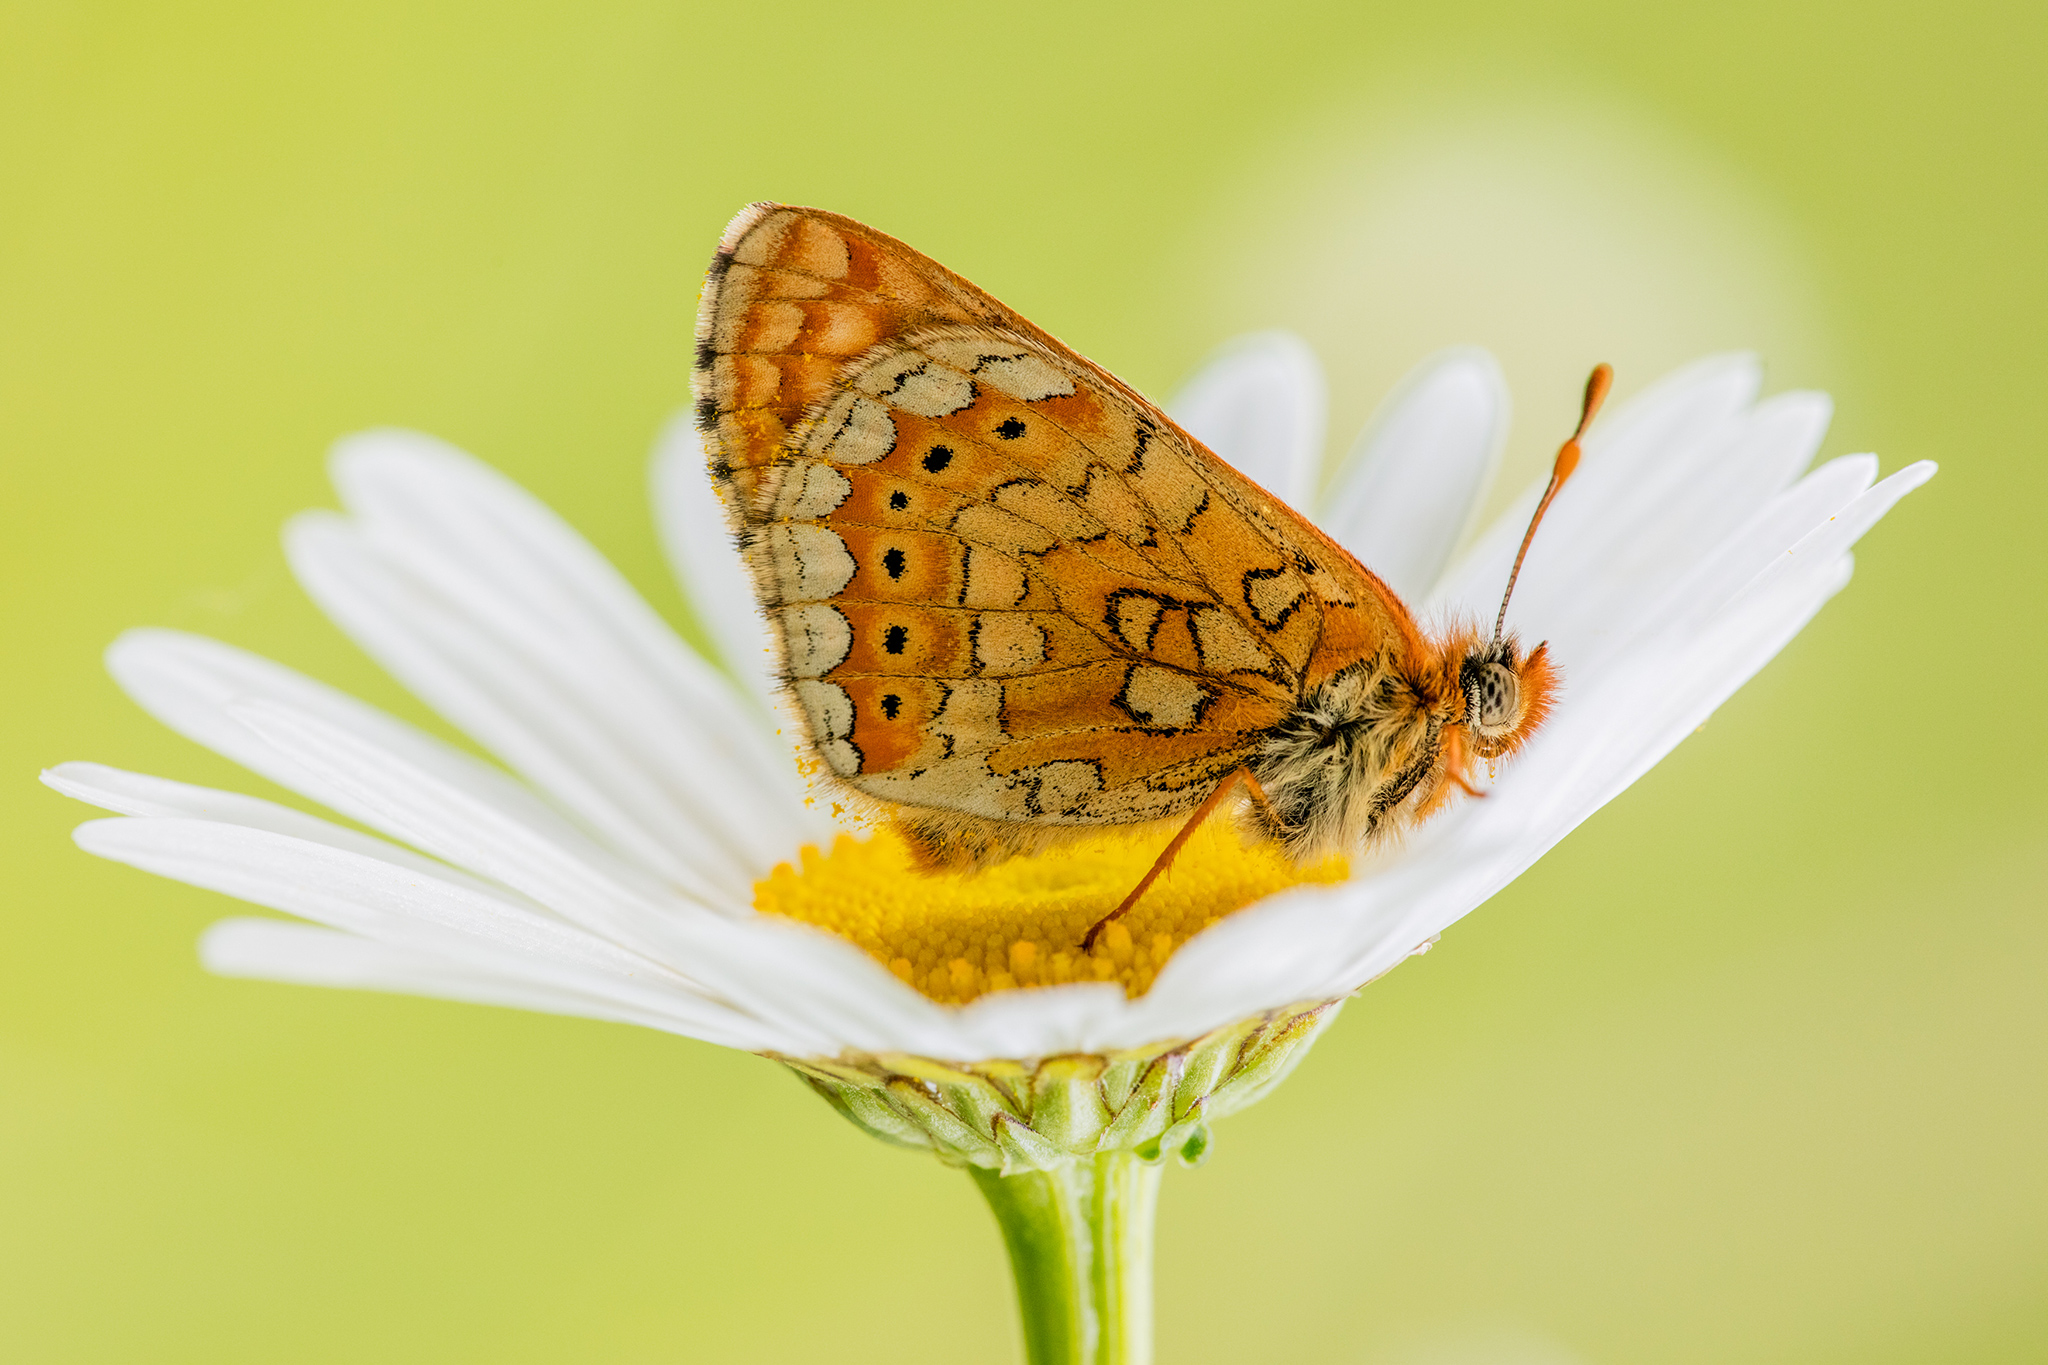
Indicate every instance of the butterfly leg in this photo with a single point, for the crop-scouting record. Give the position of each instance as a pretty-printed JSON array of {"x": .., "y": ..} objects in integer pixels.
[
  {"x": 1166, "y": 857},
  {"x": 1464, "y": 786},
  {"x": 1258, "y": 795}
]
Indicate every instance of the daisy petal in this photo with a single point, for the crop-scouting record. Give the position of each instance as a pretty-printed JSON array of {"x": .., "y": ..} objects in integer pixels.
[
  {"x": 1683, "y": 466},
  {"x": 536, "y": 596},
  {"x": 534, "y": 852},
  {"x": 301, "y": 954},
  {"x": 809, "y": 983},
  {"x": 1678, "y": 411},
  {"x": 1676, "y": 512},
  {"x": 1772, "y": 532},
  {"x": 1718, "y": 662},
  {"x": 1050, "y": 1020},
  {"x": 302, "y": 865},
  {"x": 1691, "y": 408},
  {"x": 1578, "y": 770},
  {"x": 188, "y": 682},
  {"x": 209, "y": 691},
  {"x": 1259, "y": 404},
  {"x": 700, "y": 814},
  {"x": 1275, "y": 953},
  {"x": 699, "y": 542},
  {"x": 348, "y": 890},
  {"x": 140, "y": 794},
  {"x": 1645, "y": 713},
  {"x": 1829, "y": 541},
  {"x": 1414, "y": 479}
]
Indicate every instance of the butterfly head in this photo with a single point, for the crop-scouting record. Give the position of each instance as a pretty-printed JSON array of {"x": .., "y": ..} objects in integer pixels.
[{"x": 1507, "y": 694}]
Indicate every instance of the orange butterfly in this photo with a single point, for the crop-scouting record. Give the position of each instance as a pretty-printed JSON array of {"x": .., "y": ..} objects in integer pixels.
[{"x": 1016, "y": 601}]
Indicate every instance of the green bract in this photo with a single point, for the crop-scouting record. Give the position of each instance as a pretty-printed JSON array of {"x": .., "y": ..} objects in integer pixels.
[{"x": 1012, "y": 1117}]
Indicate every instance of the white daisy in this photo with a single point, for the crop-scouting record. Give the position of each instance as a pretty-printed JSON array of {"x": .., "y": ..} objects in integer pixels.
[{"x": 609, "y": 869}]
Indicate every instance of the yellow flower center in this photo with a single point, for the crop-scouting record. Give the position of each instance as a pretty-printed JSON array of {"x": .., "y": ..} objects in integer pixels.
[{"x": 956, "y": 936}]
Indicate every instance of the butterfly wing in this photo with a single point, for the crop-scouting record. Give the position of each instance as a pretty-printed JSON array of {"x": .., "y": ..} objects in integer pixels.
[{"x": 1007, "y": 587}]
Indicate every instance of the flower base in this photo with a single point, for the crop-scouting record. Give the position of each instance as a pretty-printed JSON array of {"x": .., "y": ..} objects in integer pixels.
[{"x": 1011, "y": 1117}]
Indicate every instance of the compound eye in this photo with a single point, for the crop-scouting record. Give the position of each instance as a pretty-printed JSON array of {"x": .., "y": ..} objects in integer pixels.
[{"x": 1500, "y": 695}]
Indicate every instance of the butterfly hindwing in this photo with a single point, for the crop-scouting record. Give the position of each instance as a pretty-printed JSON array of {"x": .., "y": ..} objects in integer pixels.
[{"x": 1006, "y": 586}]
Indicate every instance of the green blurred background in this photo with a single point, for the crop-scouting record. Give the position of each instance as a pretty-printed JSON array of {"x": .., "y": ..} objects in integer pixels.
[{"x": 1752, "y": 1068}]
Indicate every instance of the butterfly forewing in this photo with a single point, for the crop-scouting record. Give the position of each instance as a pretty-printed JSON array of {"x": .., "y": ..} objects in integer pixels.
[{"x": 1006, "y": 586}]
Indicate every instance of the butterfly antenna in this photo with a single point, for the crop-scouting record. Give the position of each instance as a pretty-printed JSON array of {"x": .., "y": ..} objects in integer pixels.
[{"x": 1597, "y": 385}]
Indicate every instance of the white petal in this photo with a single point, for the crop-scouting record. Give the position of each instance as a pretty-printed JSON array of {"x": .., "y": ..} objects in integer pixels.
[
  {"x": 1259, "y": 404},
  {"x": 1718, "y": 662},
  {"x": 1772, "y": 532},
  {"x": 1828, "y": 542},
  {"x": 188, "y": 682},
  {"x": 490, "y": 932},
  {"x": 350, "y": 890},
  {"x": 804, "y": 984},
  {"x": 807, "y": 982},
  {"x": 1591, "y": 744},
  {"x": 661, "y": 786},
  {"x": 1639, "y": 575},
  {"x": 808, "y": 991},
  {"x": 1676, "y": 513},
  {"x": 1679, "y": 469},
  {"x": 1045, "y": 1021},
  {"x": 1278, "y": 952},
  {"x": 279, "y": 950},
  {"x": 1415, "y": 478},
  {"x": 205, "y": 690},
  {"x": 465, "y": 537},
  {"x": 1596, "y": 753},
  {"x": 532, "y": 851},
  {"x": 1560, "y": 781},
  {"x": 699, "y": 540},
  {"x": 1686, "y": 409},
  {"x": 130, "y": 793}
]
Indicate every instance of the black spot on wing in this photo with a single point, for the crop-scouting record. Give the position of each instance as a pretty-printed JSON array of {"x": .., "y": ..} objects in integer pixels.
[
  {"x": 1010, "y": 429},
  {"x": 937, "y": 458}
]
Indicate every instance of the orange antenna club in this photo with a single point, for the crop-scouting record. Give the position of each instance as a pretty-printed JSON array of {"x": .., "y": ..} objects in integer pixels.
[{"x": 1597, "y": 385}]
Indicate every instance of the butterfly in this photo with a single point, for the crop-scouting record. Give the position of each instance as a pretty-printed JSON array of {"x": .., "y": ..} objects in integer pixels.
[{"x": 1016, "y": 603}]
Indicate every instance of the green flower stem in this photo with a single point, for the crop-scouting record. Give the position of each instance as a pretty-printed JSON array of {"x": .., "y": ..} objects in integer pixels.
[{"x": 1080, "y": 1241}]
